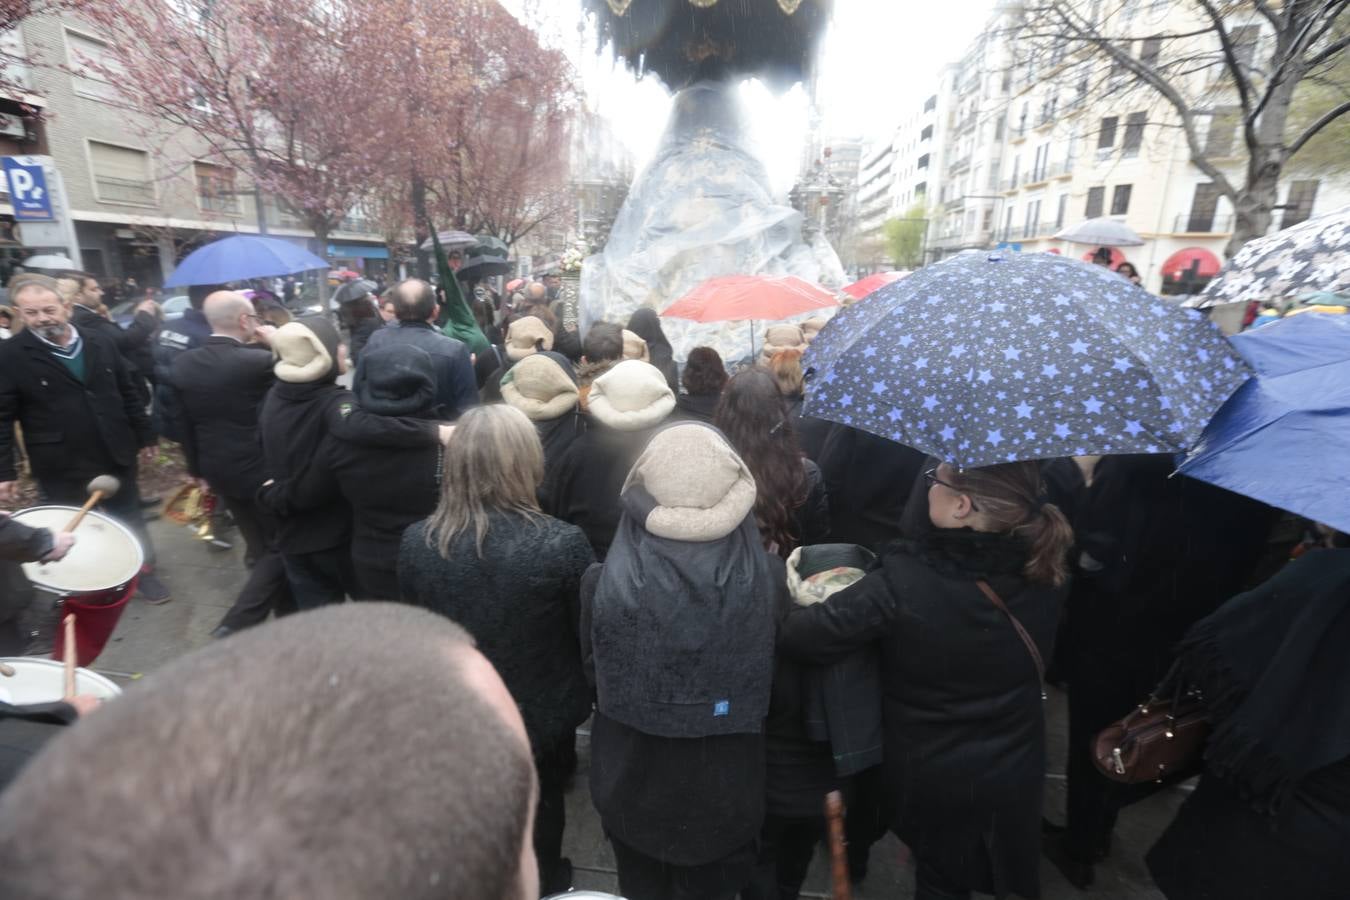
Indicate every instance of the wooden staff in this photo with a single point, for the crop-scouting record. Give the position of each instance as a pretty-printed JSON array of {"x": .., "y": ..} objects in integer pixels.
[
  {"x": 834, "y": 820},
  {"x": 68, "y": 656}
]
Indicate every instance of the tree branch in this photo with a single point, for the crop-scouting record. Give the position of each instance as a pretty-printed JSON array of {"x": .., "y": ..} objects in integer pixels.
[{"x": 1323, "y": 121}]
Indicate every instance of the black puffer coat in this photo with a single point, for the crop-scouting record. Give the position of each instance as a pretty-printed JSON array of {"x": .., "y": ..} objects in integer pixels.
[
  {"x": 585, "y": 485},
  {"x": 964, "y": 726},
  {"x": 519, "y": 600}
]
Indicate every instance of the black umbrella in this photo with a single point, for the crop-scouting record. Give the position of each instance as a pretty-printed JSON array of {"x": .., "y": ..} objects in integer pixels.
[
  {"x": 486, "y": 258},
  {"x": 352, "y": 291}
]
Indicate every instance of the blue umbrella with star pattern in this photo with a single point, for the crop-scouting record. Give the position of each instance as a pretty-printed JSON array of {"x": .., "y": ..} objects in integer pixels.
[{"x": 987, "y": 358}]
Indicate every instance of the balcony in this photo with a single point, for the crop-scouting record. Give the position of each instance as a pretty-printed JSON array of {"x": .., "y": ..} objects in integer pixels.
[
  {"x": 1008, "y": 185},
  {"x": 1200, "y": 223},
  {"x": 1017, "y": 134},
  {"x": 122, "y": 190},
  {"x": 959, "y": 165},
  {"x": 954, "y": 203},
  {"x": 357, "y": 226}
]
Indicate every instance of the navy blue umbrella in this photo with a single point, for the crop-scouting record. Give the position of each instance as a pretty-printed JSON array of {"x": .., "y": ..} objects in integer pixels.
[
  {"x": 240, "y": 257},
  {"x": 991, "y": 358},
  {"x": 1284, "y": 437}
]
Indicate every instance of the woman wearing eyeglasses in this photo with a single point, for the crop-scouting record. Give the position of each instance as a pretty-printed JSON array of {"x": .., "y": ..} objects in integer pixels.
[{"x": 963, "y": 615}]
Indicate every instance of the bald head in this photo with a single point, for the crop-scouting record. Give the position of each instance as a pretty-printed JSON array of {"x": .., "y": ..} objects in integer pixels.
[
  {"x": 414, "y": 300},
  {"x": 348, "y": 752},
  {"x": 229, "y": 314},
  {"x": 536, "y": 294}
]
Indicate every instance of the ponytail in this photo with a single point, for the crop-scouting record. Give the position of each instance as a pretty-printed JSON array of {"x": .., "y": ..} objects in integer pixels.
[
  {"x": 1011, "y": 498},
  {"x": 1051, "y": 536}
]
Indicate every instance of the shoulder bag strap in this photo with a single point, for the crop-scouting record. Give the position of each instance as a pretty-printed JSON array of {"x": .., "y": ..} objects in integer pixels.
[{"x": 995, "y": 599}]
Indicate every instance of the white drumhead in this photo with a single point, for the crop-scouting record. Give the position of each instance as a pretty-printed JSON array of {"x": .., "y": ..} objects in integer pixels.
[
  {"x": 43, "y": 681},
  {"x": 106, "y": 555}
]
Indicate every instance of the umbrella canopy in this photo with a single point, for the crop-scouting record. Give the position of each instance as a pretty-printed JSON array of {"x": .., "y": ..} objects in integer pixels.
[
  {"x": 860, "y": 289},
  {"x": 352, "y": 291},
  {"x": 1307, "y": 257},
  {"x": 343, "y": 274},
  {"x": 1101, "y": 232},
  {"x": 739, "y": 298},
  {"x": 240, "y": 257},
  {"x": 990, "y": 358},
  {"x": 1285, "y": 436},
  {"x": 487, "y": 256},
  {"x": 451, "y": 240},
  {"x": 51, "y": 261}
]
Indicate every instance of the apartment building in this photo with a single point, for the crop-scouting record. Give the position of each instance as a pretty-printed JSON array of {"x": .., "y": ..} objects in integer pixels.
[
  {"x": 1043, "y": 140},
  {"x": 139, "y": 202},
  {"x": 900, "y": 171}
]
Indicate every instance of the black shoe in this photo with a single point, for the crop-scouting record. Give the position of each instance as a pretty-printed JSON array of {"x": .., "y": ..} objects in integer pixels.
[
  {"x": 152, "y": 590},
  {"x": 561, "y": 880},
  {"x": 1078, "y": 873},
  {"x": 222, "y": 631}
]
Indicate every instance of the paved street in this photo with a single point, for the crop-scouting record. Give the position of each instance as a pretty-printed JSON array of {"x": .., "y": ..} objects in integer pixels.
[{"x": 204, "y": 584}]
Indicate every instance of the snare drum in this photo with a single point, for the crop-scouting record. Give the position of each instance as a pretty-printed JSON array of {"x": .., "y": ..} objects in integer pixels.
[
  {"x": 43, "y": 681},
  {"x": 94, "y": 580}
]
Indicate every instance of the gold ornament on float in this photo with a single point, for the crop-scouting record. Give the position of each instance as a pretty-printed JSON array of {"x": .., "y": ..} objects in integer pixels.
[
  {"x": 789, "y": 6},
  {"x": 619, "y": 7}
]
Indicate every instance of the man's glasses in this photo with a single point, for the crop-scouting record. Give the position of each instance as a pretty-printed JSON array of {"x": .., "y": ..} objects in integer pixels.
[{"x": 931, "y": 478}]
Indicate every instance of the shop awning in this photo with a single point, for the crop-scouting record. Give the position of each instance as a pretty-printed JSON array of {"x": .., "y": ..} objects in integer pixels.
[
  {"x": 357, "y": 251},
  {"x": 1206, "y": 264}
]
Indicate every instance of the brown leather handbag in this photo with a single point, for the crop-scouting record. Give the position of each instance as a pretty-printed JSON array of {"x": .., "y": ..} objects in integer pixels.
[{"x": 1160, "y": 739}]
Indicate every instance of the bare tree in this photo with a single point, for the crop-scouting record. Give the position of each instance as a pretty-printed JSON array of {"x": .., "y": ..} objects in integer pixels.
[{"x": 1215, "y": 65}]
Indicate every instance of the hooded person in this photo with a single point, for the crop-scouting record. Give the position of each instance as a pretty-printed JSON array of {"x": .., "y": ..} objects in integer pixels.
[
  {"x": 646, "y": 324},
  {"x": 811, "y": 327},
  {"x": 544, "y": 387},
  {"x": 388, "y": 488},
  {"x": 525, "y": 336},
  {"x": 625, "y": 406},
  {"x": 704, "y": 377},
  {"x": 778, "y": 338},
  {"x": 300, "y": 411},
  {"x": 634, "y": 347},
  {"x": 677, "y": 632}
]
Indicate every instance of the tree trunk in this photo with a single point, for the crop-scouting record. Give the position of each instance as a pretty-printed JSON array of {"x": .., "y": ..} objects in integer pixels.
[
  {"x": 1253, "y": 208},
  {"x": 320, "y": 248},
  {"x": 421, "y": 226}
]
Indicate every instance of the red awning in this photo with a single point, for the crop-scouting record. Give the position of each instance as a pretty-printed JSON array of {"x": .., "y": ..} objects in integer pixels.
[{"x": 1206, "y": 264}]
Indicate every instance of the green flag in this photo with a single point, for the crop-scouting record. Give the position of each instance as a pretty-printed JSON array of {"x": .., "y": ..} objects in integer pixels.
[{"x": 457, "y": 317}]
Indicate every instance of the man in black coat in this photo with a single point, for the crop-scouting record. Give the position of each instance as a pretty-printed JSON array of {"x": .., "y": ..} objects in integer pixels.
[
  {"x": 415, "y": 305},
  {"x": 187, "y": 333},
  {"x": 20, "y": 543},
  {"x": 219, "y": 389},
  {"x": 132, "y": 342},
  {"x": 81, "y": 415}
]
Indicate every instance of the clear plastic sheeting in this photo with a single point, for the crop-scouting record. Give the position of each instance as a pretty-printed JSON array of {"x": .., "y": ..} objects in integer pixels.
[{"x": 702, "y": 209}]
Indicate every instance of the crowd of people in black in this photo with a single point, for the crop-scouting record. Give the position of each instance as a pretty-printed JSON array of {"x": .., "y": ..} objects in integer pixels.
[{"x": 753, "y": 608}]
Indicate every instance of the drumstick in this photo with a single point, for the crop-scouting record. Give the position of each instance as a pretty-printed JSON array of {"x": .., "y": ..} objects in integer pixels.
[
  {"x": 6, "y": 670},
  {"x": 100, "y": 488},
  {"x": 68, "y": 656},
  {"x": 834, "y": 820}
]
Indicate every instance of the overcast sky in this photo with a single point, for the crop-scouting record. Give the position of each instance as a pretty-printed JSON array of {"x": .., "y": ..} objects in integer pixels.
[{"x": 880, "y": 57}]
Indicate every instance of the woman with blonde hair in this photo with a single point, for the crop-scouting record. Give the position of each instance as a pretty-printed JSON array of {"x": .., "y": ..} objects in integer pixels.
[
  {"x": 963, "y": 616},
  {"x": 489, "y": 559}
]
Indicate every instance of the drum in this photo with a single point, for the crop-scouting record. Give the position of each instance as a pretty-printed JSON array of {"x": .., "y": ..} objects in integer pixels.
[
  {"x": 43, "y": 681},
  {"x": 94, "y": 580}
]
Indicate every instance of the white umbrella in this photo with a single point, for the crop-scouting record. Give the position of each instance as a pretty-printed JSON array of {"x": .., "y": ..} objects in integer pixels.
[
  {"x": 1102, "y": 232},
  {"x": 48, "y": 261},
  {"x": 452, "y": 240}
]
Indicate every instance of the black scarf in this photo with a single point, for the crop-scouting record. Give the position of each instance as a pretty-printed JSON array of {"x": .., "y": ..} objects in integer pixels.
[
  {"x": 966, "y": 553},
  {"x": 1275, "y": 674}
]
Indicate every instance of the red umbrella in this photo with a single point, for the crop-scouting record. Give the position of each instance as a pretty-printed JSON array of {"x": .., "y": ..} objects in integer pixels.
[
  {"x": 738, "y": 298},
  {"x": 860, "y": 289}
]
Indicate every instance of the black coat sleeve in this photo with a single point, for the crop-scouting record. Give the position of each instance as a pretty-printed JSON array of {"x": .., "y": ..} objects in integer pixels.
[
  {"x": 589, "y": 581},
  {"x": 20, "y": 543},
  {"x": 814, "y": 516},
  {"x": 132, "y": 403},
  {"x": 137, "y": 334},
  {"x": 828, "y": 632},
  {"x": 9, "y": 415},
  {"x": 358, "y": 426}
]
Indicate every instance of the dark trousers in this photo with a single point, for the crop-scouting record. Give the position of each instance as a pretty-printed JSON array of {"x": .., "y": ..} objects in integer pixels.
[
  {"x": 321, "y": 577},
  {"x": 930, "y": 884},
  {"x": 785, "y": 850},
  {"x": 867, "y": 819},
  {"x": 550, "y": 815},
  {"x": 642, "y": 877},
  {"x": 124, "y": 506},
  {"x": 268, "y": 588}
]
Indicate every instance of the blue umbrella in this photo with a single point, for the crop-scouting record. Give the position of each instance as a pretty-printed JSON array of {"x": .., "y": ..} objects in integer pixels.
[
  {"x": 243, "y": 256},
  {"x": 990, "y": 358},
  {"x": 1284, "y": 437}
]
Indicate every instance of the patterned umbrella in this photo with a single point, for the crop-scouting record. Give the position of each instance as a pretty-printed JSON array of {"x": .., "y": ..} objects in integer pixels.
[
  {"x": 990, "y": 358},
  {"x": 1309, "y": 256}
]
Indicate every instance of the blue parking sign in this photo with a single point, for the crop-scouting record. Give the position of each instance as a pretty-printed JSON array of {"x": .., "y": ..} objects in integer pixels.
[{"x": 28, "y": 191}]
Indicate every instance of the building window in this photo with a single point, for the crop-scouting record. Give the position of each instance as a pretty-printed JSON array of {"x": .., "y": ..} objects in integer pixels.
[
  {"x": 216, "y": 191},
  {"x": 1134, "y": 134},
  {"x": 92, "y": 67},
  {"x": 1062, "y": 211},
  {"x": 1095, "y": 198},
  {"x": 930, "y": 104},
  {"x": 1298, "y": 206},
  {"x": 927, "y": 133},
  {"x": 988, "y": 219},
  {"x": 1204, "y": 205},
  {"x": 121, "y": 174},
  {"x": 921, "y": 189},
  {"x": 1118, "y": 67},
  {"x": 1223, "y": 124},
  {"x": 1106, "y": 136},
  {"x": 1007, "y": 223},
  {"x": 1244, "y": 41},
  {"x": 923, "y": 161},
  {"x": 1120, "y": 199},
  {"x": 1033, "y": 215},
  {"x": 998, "y": 128},
  {"x": 1150, "y": 50}
]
